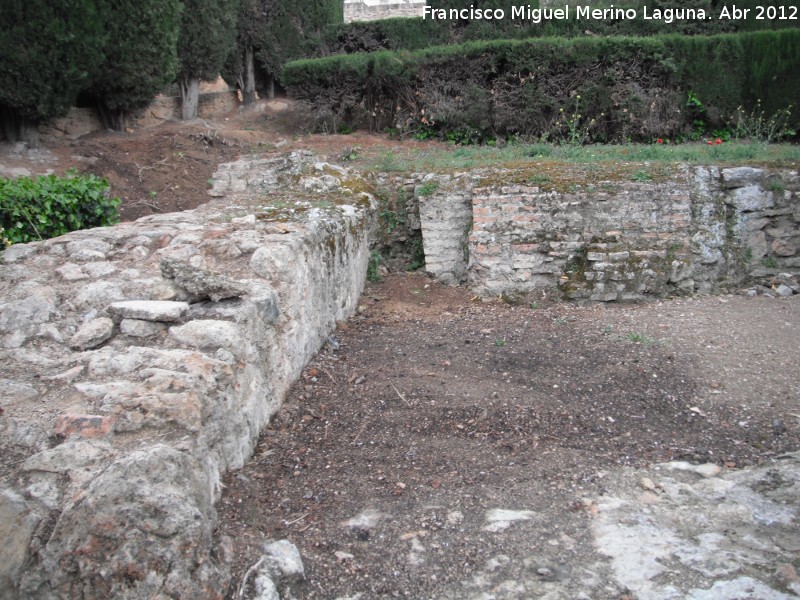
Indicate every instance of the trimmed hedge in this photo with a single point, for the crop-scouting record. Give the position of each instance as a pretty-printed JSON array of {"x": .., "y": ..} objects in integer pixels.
[
  {"x": 416, "y": 33},
  {"x": 49, "y": 206},
  {"x": 621, "y": 88}
]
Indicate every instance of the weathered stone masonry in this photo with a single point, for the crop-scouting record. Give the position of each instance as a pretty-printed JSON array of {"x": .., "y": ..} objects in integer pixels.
[
  {"x": 140, "y": 362},
  {"x": 705, "y": 229}
]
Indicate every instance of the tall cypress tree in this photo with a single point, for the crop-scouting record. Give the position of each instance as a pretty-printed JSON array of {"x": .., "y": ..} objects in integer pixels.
[
  {"x": 141, "y": 57},
  {"x": 48, "y": 51},
  {"x": 208, "y": 30},
  {"x": 293, "y": 30},
  {"x": 239, "y": 68},
  {"x": 274, "y": 32}
]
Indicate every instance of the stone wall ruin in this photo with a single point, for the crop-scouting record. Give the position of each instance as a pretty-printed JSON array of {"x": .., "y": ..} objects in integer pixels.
[
  {"x": 702, "y": 230},
  {"x": 141, "y": 361}
]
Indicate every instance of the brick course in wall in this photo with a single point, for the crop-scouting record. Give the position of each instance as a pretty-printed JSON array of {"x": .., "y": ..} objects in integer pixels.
[{"x": 705, "y": 229}]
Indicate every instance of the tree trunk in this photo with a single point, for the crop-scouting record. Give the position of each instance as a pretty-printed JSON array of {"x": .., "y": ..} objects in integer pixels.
[
  {"x": 113, "y": 119},
  {"x": 190, "y": 98},
  {"x": 249, "y": 91},
  {"x": 271, "y": 87},
  {"x": 18, "y": 129}
]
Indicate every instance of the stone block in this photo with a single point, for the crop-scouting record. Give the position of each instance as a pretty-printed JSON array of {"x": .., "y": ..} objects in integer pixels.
[
  {"x": 140, "y": 408},
  {"x": 18, "y": 252},
  {"x": 783, "y": 248},
  {"x": 139, "y": 328},
  {"x": 88, "y": 249},
  {"x": 149, "y": 310},
  {"x": 12, "y": 391},
  {"x": 603, "y": 296},
  {"x": 284, "y": 561},
  {"x": 603, "y": 266},
  {"x": 738, "y": 177},
  {"x": 71, "y": 272},
  {"x": 211, "y": 334},
  {"x": 92, "y": 334},
  {"x": 88, "y": 426},
  {"x": 74, "y": 454},
  {"x": 98, "y": 294},
  {"x": 20, "y": 315},
  {"x": 201, "y": 284},
  {"x": 751, "y": 198},
  {"x": 17, "y": 525}
]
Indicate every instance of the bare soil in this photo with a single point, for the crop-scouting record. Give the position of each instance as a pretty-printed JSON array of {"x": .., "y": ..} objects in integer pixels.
[
  {"x": 168, "y": 167},
  {"x": 429, "y": 407}
]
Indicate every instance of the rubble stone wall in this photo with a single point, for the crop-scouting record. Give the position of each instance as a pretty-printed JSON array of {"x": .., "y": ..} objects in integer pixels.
[
  {"x": 141, "y": 361},
  {"x": 704, "y": 229}
]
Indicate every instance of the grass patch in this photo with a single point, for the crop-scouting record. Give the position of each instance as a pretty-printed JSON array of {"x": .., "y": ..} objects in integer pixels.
[{"x": 445, "y": 157}]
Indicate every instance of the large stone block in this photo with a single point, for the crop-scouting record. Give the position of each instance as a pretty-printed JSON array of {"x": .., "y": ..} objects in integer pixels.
[{"x": 17, "y": 524}]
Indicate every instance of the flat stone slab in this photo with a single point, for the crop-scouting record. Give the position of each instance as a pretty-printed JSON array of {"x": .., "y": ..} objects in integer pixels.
[{"x": 149, "y": 310}]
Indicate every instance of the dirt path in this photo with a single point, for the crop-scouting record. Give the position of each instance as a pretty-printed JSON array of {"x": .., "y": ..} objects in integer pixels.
[{"x": 429, "y": 412}]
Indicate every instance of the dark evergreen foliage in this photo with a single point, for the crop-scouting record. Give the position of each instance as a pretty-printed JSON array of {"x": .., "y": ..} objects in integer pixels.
[
  {"x": 623, "y": 88},
  {"x": 207, "y": 35},
  {"x": 416, "y": 33},
  {"x": 140, "y": 59},
  {"x": 48, "y": 51},
  {"x": 276, "y": 31}
]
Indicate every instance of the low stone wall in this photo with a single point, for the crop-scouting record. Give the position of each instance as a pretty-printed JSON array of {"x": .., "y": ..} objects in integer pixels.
[
  {"x": 704, "y": 229},
  {"x": 140, "y": 362},
  {"x": 372, "y": 10}
]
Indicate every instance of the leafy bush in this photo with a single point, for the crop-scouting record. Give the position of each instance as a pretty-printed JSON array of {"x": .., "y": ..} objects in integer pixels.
[{"x": 49, "y": 206}]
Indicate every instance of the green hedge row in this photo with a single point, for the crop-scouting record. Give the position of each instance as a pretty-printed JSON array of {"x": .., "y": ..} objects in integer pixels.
[
  {"x": 38, "y": 208},
  {"x": 611, "y": 89},
  {"x": 417, "y": 33}
]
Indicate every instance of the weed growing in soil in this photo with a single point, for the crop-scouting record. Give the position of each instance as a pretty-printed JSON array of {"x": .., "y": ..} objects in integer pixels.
[
  {"x": 426, "y": 189},
  {"x": 640, "y": 338},
  {"x": 375, "y": 260}
]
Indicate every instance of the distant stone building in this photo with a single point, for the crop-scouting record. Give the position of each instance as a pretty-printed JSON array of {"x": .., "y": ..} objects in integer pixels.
[{"x": 371, "y": 10}]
